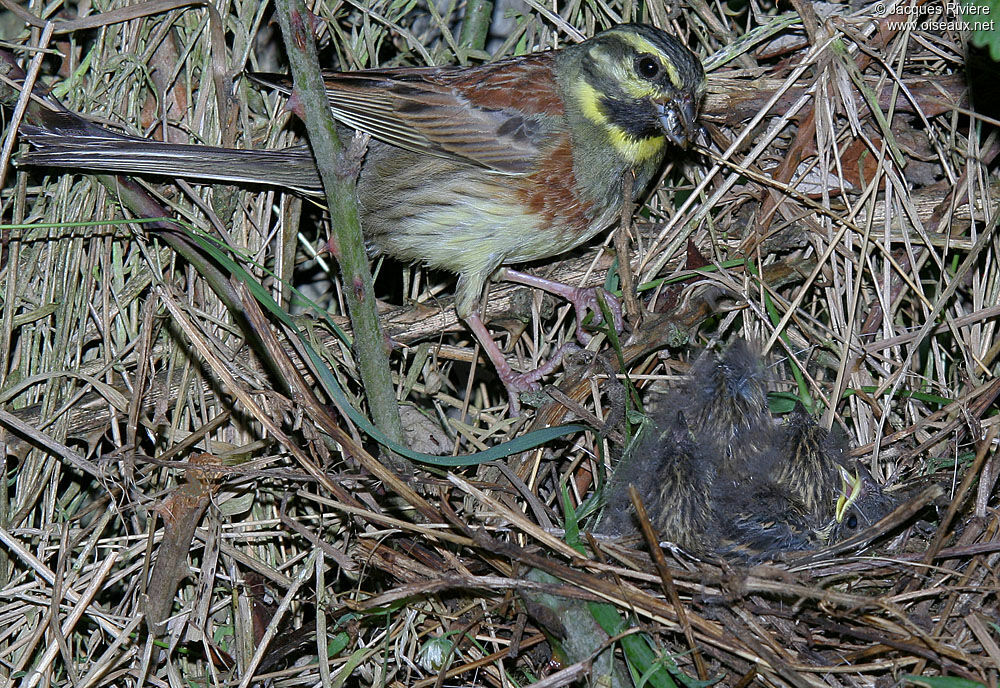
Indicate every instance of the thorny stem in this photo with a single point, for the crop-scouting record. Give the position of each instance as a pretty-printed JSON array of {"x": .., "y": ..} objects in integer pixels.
[{"x": 339, "y": 174}]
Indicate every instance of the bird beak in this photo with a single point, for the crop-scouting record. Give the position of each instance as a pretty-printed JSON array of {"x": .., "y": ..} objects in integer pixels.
[
  {"x": 851, "y": 487},
  {"x": 677, "y": 117}
]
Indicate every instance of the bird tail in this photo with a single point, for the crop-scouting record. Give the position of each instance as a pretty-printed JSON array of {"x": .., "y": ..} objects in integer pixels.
[{"x": 68, "y": 141}]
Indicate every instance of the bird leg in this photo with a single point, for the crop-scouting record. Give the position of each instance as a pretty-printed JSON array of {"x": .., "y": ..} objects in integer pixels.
[
  {"x": 582, "y": 298},
  {"x": 514, "y": 382}
]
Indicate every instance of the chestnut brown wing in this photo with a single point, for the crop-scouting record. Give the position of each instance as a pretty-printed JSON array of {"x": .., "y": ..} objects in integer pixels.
[{"x": 493, "y": 116}]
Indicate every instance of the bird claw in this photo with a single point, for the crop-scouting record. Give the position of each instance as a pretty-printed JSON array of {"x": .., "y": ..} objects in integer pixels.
[
  {"x": 528, "y": 382},
  {"x": 582, "y": 298},
  {"x": 589, "y": 299},
  {"x": 515, "y": 383}
]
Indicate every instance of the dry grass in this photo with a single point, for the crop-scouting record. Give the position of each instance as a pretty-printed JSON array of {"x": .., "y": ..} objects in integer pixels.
[{"x": 847, "y": 192}]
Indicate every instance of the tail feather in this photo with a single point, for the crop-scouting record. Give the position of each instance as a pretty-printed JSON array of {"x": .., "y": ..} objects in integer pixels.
[{"x": 68, "y": 141}]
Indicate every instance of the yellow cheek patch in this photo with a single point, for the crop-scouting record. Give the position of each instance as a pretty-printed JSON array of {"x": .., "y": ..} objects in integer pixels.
[
  {"x": 633, "y": 150},
  {"x": 590, "y": 103}
]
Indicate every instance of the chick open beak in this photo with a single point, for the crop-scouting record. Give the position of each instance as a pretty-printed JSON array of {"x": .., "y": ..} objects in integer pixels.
[
  {"x": 851, "y": 490},
  {"x": 677, "y": 117}
]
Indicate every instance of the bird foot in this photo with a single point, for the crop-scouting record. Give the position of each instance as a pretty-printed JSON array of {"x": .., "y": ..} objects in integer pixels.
[
  {"x": 514, "y": 382},
  {"x": 528, "y": 382},
  {"x": 583, "y": 299},
  {"x": 589, "y": 298}
]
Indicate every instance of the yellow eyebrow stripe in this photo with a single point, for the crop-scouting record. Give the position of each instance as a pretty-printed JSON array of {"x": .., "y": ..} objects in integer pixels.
[{"x": 644, "y": 46}]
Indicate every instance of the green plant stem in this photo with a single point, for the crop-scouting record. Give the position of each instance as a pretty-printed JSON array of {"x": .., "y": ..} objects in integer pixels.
[
  {"x": 476, "y": 24},
  {"x": 339, "y": 175}
]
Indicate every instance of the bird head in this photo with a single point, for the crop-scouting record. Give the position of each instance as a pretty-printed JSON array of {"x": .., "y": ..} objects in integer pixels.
[
  {"x": 640, "y": 87},
  {"x": 862, "y": 502}
]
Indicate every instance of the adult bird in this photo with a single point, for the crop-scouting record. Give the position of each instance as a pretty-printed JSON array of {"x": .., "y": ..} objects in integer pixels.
[{"x": 470, "y": 169}]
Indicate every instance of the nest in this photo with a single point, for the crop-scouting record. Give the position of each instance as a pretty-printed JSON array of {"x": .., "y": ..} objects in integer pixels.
[{"x": 181, "y": 505}]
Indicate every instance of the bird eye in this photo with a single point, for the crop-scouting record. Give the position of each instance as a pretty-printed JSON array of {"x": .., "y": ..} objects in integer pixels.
[
  {"x": 852, "y": 521},
  {"x": 647, "y": 66}
]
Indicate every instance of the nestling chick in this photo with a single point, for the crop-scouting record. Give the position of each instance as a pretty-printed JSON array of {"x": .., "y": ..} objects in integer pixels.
[
  {"x": 718, "y": 474},
  {"x": 727, "y": 393},
  {"x": 814, "y": 496},
  {"x": 862, "y": 504},
  {"x": 674, "y": 479},
  {"x": 815, "y": 468},
  {"x": 758, "y": 523},
  {"x": 810, "y": 471},
  {"x": 681, "y": 509},
  {"x": 728, "y": 405}
]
